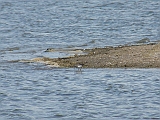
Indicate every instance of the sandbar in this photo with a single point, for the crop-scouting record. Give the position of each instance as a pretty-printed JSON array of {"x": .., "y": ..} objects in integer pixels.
[{"x": 127, "y": 56}]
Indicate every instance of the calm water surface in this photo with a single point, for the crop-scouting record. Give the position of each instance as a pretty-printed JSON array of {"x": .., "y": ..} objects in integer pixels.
[{"x": 33, "y": 91}]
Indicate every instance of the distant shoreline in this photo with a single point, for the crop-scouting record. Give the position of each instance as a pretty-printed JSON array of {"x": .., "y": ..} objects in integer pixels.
[{"x": 134, "y": 56}]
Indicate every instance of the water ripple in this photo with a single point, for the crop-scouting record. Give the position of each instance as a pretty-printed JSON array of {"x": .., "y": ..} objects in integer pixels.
[{"x": 35, "y": 91}]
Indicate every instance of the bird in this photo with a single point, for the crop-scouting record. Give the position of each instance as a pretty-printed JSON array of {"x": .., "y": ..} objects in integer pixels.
[{"x": 79, "y": 67}]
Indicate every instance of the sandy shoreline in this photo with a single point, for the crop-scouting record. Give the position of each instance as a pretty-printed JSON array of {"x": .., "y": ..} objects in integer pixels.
[{"x": 134, "y": 56}]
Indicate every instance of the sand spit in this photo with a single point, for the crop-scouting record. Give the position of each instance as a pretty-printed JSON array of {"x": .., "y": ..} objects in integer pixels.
[{"x": 134, "y": 56}]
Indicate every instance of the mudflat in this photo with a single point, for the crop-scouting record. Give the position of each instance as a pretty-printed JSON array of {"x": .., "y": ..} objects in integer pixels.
[{"x": 134, "y": 56}]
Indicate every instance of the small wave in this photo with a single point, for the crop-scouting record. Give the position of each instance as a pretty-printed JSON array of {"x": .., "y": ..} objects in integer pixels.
[{"x": 139, "y": 42}]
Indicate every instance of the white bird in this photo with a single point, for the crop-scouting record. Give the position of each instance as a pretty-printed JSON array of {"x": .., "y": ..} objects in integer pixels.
[{"x": 79, "y": 66}]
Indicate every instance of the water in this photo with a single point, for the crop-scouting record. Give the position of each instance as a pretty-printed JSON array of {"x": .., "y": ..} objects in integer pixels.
[
  {"x": 39, "y": 92},
  {"x": 35, "y": 91}
]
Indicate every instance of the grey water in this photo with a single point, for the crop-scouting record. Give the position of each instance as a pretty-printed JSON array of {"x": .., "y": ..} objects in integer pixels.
[{"x": 34, "y": 91}]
